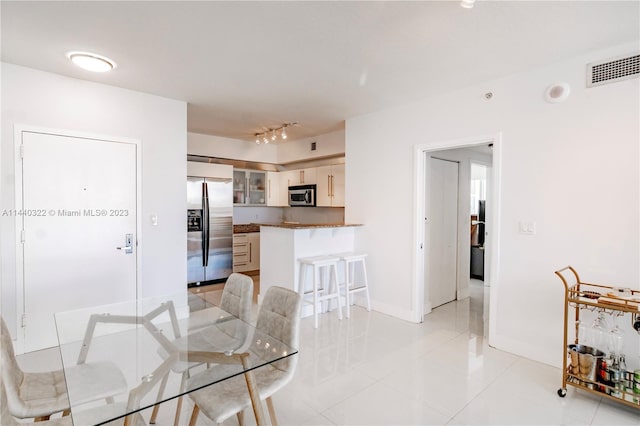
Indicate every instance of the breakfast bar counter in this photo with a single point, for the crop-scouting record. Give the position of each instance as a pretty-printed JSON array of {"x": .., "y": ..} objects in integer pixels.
[{"x": 283, "y": 243}]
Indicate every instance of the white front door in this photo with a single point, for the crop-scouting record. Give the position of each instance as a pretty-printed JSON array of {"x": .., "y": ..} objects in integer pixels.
[
  {"x": 443, "y": 231},
  {"x": 78, "y": 215}
]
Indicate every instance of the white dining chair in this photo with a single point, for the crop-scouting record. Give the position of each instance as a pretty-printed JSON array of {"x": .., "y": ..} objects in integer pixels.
[
  {"x": 90, "y": 416},
  {"x": 38, "y": 395},
  {"x": 236, "y": 300},
  {"x": 279, "y": 317}
]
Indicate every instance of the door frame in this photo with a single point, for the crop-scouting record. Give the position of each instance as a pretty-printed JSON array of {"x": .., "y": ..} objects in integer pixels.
[
  {"x": 18, "y": 129},
  {"x": 420, "y": 192}
]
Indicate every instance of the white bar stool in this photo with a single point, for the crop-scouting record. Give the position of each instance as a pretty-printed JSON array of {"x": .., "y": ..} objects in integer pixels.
[
  {"x": 351, "y": 286},
  {"x": 321, "y": 291}
]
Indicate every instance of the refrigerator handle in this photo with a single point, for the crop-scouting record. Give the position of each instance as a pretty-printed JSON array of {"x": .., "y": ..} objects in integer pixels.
[{"x": 205, "y": 227}]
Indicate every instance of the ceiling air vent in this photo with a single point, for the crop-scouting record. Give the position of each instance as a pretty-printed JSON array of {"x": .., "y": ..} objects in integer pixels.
[{"x": 612, "y": 70}]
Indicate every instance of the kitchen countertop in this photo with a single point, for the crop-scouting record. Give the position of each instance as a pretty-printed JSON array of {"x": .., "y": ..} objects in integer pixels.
[
  {"x": 291, "y": 225},
  {"x": 246, "y": 228}
]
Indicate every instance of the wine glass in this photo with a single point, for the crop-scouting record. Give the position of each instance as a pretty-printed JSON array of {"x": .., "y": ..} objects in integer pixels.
[
  {"x": 616, "y": 339},
  {"x": 599, "y": 332}
]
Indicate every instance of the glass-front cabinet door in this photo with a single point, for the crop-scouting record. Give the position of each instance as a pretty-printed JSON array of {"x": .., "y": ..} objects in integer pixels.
[
  {"x": 249, "y": 187},
  {"x": 239, "y": 186},
  {"x": 256, "y": 193}
]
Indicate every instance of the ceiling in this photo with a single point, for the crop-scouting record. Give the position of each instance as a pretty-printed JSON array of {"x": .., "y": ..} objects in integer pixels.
[{"x": 246, "y": 66}]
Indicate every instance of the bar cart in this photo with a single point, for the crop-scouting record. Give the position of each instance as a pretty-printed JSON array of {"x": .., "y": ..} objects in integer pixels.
[{"x": 596, "y": 377}]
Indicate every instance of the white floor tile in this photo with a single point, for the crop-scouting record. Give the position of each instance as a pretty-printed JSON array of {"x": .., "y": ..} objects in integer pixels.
[
  {"x": 613, "y": 413},
  {"x": 526, "y": 394},
  {"x": 382, "y": 405}
]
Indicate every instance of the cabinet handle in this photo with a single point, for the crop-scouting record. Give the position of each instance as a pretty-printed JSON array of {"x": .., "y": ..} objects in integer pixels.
[
  {"x": 249, "y": 252},
  {"x": 269, "y": 188},
  {"x": 301, "y": 176},
  {"x": 332, "y": 193},
  {"x": 328, "y": 185}
]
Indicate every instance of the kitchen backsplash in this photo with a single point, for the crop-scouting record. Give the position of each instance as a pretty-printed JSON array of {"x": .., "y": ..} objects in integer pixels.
[
  {"x": 289, "y": 214},
  {"x": 314, "y": 214}
]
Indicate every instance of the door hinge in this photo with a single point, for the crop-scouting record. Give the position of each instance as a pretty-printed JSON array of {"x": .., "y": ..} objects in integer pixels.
[
  {"x": 22, "y": 236},
  {"x": 21, "y": 150},
  {"x": 24, "y": 320}
]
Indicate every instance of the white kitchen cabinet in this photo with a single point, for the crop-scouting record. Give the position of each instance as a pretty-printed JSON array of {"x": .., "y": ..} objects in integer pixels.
[
  {"x": 277, "y": 195},
  {"x": 253, "y": 239},
  {"x": 301, "y": 176},
  {"x": 246, "y": 252},
  {"x": 330, "y": 186},
  {"x": 249, "y": 187}
]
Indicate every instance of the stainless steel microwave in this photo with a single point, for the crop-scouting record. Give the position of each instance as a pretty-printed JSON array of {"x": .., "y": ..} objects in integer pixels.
[{"x": 302, "y": 196}]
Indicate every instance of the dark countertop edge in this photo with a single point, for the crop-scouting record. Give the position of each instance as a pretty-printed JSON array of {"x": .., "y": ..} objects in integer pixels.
[
  {"x": 246, "y": 228},
  {"x": 310, "y": 225}
]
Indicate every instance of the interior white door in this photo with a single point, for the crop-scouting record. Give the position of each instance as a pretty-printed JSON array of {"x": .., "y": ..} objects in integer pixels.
[
  {"x": 79, "y": 215},
  {"x": 443, "y": 231}
]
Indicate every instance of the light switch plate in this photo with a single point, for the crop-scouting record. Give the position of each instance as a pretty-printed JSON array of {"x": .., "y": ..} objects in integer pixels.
[{"x": 527, "y": 228}]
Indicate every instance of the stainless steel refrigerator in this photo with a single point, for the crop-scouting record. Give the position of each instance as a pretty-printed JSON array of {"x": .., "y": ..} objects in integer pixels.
[{"x": 209, "y": 229}]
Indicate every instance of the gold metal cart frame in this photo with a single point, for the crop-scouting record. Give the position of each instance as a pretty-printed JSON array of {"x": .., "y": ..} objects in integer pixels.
[{"x": 579, "y": 296}]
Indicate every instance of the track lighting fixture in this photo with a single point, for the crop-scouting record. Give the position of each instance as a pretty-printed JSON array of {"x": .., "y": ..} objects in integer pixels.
[
  {"x": 263, "y": 137},
  {"x": 467, "y": 4}
]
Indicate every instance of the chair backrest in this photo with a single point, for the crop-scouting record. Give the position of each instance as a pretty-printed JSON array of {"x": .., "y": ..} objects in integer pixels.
[
  {"x": 12, "y": 374},
  {"x": 237, "y": 296},
  {"x": 279, "y": 317}
]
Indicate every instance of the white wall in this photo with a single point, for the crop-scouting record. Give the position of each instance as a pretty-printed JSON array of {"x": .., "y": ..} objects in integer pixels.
[
  {"x": 233, "y": 149},
  {"x": 327, "y": 144},
  {"x": 37, "y": 98},
  {"x": 281, "y": 152},
  {"x": 571, "y": 167}
]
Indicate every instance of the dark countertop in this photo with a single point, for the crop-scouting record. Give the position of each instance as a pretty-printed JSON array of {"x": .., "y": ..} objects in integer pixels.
[
  {"x": 291, "y": 225},
  {"x": 246, "y": 228}
]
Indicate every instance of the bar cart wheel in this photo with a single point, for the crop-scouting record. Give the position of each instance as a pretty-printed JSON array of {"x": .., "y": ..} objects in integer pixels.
[{"x": 562, "y": 393}]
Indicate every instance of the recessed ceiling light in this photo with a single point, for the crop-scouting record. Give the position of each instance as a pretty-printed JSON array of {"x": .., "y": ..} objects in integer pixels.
[
  {"x": 467, "y": 4},
  {"x": 91, "y": 61}
]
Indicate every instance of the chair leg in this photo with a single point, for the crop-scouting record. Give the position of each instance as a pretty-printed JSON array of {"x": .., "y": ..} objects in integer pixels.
[
  {"x": 156, "y": 407},
  {"x": 41, "y": 419},
  {"x": 176, "y": 420},
  {"x": 194, "y": 415},
  {"x": 315, "y": 295},
  {"x": 272, "y": 412},
  {"x": 66, "y": 412},
  {"x": 334, "y": 278},
  {"x": 366, "y": 283},
  {"x": 183, "y": 385},
  {"x": 240, "y": 416}
]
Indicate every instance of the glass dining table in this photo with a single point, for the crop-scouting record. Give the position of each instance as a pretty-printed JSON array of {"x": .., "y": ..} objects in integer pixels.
[{"x": 157, "y": 343}]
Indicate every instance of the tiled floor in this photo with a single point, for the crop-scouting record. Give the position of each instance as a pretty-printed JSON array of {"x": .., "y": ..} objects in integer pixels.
[{"x": 377, "y": 370}]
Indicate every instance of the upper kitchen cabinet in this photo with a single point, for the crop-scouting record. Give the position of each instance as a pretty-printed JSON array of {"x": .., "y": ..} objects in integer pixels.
[
  {"x": 330, "y": 186},
  {"x": 299, "y": 177},
  {"x": 277, "y": 194},
  {"x": 249, "y": 187}
]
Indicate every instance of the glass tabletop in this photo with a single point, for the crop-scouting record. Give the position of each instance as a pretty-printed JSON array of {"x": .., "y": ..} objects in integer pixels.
[{"x": 121, "y": 358}]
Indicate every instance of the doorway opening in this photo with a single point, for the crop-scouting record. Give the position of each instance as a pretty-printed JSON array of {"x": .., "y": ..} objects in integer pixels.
[{"x": 475, "y": 224}]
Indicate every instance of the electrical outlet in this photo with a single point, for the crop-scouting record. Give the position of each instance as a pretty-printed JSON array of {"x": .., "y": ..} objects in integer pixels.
[{"x": 527, "y": 228}]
